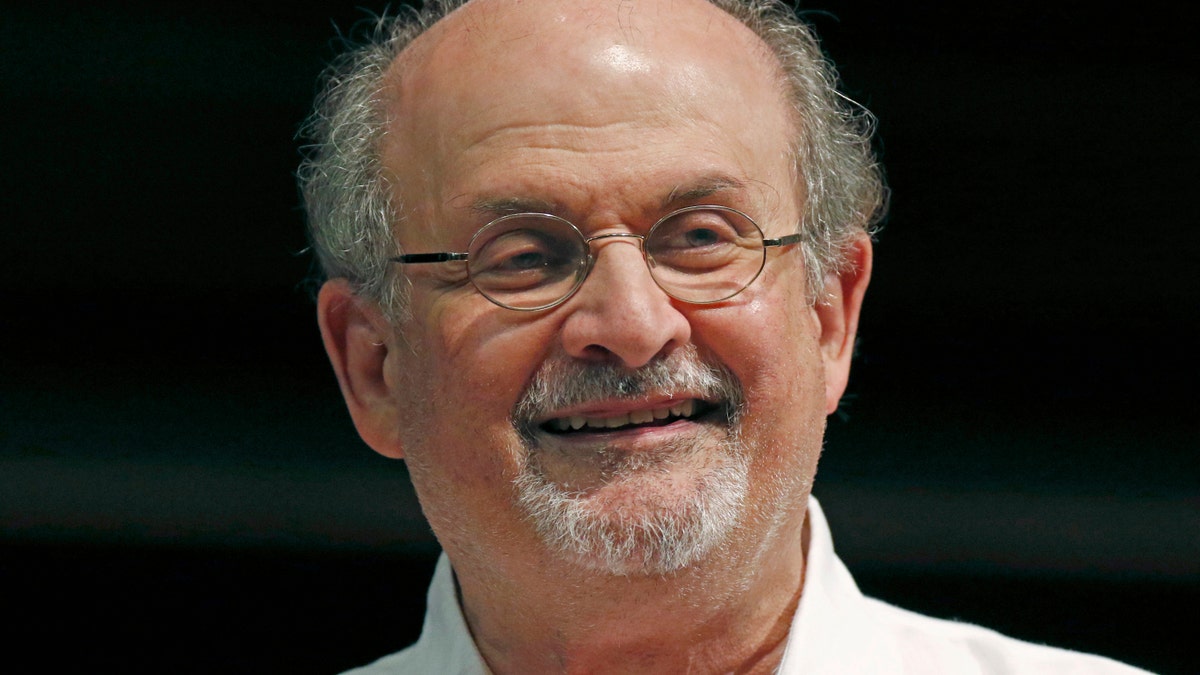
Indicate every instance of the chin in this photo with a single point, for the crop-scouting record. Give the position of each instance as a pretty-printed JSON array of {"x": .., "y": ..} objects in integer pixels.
[{"x": 642, "y": 520}]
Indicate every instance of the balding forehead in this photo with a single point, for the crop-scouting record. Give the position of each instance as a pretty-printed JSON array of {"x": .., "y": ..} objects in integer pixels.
[
  {"x": 485, "y": 34},
  {"x": 544, "y": 74}
]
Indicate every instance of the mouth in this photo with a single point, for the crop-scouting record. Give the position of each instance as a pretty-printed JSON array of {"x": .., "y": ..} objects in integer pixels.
[{"x": 688, "y": 409}]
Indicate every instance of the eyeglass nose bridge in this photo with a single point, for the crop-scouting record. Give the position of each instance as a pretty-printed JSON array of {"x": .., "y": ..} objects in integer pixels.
[
  {"x": 617, "y": 235},
  {"x": 591, "y": 254}
]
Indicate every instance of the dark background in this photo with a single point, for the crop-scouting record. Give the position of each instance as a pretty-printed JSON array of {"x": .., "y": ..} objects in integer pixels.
[{"x": 181, "y": 489}]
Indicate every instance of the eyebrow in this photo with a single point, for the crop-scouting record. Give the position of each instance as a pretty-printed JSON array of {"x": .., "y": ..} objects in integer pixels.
[
  {"x": 702, "y": 187},
  {"x": 503, "y": 206}
]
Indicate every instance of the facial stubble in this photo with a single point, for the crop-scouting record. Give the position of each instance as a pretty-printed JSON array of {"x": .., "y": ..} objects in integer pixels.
[{"x": 639, "y": 512}]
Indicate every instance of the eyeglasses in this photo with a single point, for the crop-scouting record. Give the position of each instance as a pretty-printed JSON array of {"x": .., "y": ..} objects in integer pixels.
[{"x": 533, "y": 261}]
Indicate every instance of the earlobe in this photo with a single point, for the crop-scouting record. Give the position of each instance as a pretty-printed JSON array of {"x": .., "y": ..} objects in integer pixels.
[
  {"x": 838, "y": 312},
  {"x": 356, "y": 338}
]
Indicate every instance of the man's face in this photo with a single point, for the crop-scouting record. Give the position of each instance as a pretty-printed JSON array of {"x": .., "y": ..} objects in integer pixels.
[{"x": 703, "y": 422}]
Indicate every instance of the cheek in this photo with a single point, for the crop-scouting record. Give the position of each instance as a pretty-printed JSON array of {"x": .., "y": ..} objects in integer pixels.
[
  {"x": 479, "y": 354},
  {"x": 459, "y": 446},
  {"x": 771, "y": 343},
  {"x": 465, "y": 380},
  {"x": 492, "y": 359},
  {"x": 462, "y": 450},
  {"x": 786, "y": 398},
  {"x": 775, "y": 339}
]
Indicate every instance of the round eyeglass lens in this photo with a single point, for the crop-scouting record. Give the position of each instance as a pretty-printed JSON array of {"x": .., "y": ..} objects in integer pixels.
[
  {"x": 527, "y": 261},
  {"x": 705, "y": 254}
]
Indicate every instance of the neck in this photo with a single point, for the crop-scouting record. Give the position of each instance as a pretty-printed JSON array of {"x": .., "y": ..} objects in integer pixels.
[{"x": 728, "y": 614}]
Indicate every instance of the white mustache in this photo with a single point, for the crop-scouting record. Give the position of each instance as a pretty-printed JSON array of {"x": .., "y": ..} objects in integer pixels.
[{"x": 562, "y": 382}]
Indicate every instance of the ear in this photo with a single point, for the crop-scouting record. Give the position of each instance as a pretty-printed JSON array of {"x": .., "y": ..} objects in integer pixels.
[
  {"x": 356, "y": 337},
  {"x": 838, "y": 313}
]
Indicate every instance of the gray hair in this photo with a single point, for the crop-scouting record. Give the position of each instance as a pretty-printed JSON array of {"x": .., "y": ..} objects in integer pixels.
[{"x": 351, "y": 208}]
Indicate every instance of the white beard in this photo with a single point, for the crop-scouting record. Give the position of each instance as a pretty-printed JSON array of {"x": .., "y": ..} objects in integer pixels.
[
  {"x": 647, "y": 534},
  {"x": 646, "y": 513}
]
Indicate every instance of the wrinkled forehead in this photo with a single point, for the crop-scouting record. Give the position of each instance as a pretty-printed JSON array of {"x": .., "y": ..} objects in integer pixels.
[{"x": 497, "y": 65}]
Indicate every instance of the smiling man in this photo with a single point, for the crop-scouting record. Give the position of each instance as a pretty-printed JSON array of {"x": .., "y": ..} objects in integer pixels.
[{"x": 595, "y": 270}]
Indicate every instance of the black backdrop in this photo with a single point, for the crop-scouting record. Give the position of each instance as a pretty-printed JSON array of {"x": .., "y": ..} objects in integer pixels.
[{"x": 181, "y": 490}]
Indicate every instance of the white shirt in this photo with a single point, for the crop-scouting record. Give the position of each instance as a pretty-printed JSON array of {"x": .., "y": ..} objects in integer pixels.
[{"x": 835, "y": 630}]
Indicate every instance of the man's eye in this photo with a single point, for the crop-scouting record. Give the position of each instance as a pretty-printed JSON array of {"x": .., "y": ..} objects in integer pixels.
[
  {"x": 518, "y": 262},
  {"x": 701, "y": 236},
  {"x": 522, "y": 259},
  {"x": 510, "y": 256},
  {"x": 694, "y": 230}
]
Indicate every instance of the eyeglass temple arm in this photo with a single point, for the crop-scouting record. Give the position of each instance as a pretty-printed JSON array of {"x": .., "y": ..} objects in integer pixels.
[
  {"x": 415, "y": 258},
  {"x": 783, "y": 241}
]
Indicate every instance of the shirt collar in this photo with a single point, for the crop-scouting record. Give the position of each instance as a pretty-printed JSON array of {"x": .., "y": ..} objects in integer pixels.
[{"x": 831, "y": 632}]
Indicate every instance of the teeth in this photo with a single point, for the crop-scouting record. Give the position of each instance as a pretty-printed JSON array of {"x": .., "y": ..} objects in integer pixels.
[
  {"x": 641, "y": 417},
  {"x": 684, "y": 409},
  {"x": 575, "y": 422}
]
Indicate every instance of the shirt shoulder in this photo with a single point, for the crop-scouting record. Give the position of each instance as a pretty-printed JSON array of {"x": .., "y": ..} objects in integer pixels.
[
  {"x": 445, "y": 646},
  {"x": 926, "y": 644},
  {"x": 836, "y": 629},
  {"x": 403, "y": 661}
]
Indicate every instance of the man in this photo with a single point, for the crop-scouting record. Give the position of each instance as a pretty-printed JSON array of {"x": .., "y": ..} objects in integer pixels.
[{"x": 595, "y": 270}]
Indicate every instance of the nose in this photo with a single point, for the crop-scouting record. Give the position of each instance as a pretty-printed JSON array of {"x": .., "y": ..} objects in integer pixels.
[{"x": 620, "y": 314}]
